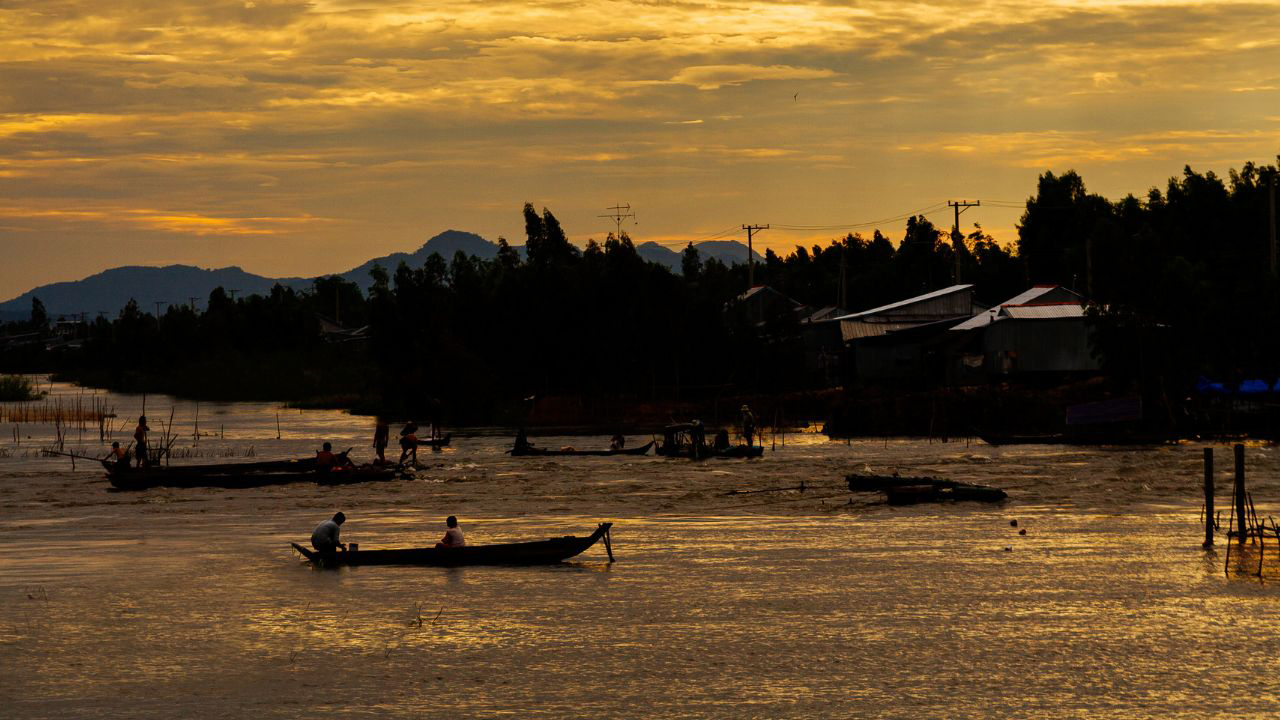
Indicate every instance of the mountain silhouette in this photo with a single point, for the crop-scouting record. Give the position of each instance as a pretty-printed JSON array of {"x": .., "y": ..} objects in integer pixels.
[{"x": 108, "y": 291}]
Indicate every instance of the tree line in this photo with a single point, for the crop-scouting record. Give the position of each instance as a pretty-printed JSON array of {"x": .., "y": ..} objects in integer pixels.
[{"x": 1179, "y": 283}]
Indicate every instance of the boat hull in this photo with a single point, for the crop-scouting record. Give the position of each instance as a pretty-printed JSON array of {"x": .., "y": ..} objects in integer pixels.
[
  {"x": 545, "y": 452},
  {"x": 541, "y": 552}
]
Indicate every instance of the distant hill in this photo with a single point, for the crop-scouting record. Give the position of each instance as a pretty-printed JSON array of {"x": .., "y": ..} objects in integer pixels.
[
  {"x": 446, "y": 243},
  {"x": 729, "y": 252},
  {"x": 108, "y": 291}
]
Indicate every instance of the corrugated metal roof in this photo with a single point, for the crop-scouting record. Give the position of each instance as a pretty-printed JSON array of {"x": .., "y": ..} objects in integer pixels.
[
  {"x": 909, "y": 301},
  {"x": 856, "y": 329},
  {"x": 1039, "y": 312},
  {"x": 1024, "y": 299}
]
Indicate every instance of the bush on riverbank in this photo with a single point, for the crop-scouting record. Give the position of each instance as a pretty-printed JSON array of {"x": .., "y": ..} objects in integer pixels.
[{"x": 17, "y": 388}]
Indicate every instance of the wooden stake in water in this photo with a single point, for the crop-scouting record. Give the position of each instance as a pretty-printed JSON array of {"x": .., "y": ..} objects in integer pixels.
[
  {"x": 1241, "y": 516},
  {"x": 1208, "y": 497}
]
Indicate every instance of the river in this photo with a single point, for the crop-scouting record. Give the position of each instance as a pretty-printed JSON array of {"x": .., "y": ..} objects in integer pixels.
[{"x": 722, "y": 603}]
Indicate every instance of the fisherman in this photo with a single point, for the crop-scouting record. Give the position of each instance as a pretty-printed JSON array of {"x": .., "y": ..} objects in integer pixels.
[
  {"x": 409, "y": 442},
  {"x": 721, "y": 443},
  {"x": 325, "y": 537},
  {"x": 140, "y": 441},
  {"x": 522, "y": 440},
  {"x": 325, "y": 459},
  {"x": 748, "y": 424},
  {"x": 119, "y": 456},
  {"x": 617, "y": 443},
  {"x": 453, "y": 536},
  {"x": 381, "y": 435}
]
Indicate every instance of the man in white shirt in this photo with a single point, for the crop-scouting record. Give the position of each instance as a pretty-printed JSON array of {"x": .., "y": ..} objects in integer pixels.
[
  {"x": 453, "y": 536},
  {"x": 325, "y": 537}
]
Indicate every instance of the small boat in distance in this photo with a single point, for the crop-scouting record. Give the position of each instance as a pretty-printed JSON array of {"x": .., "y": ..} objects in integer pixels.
[
  {"x": 906, "y": 490},
  {"x": 531, "y": 451},
  {"x": 231, "y": 476},
  {"x": 539, "y": 552}
]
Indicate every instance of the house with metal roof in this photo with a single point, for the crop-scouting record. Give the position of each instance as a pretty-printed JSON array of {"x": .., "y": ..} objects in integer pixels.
[
  {"x": 894, "y": 342},
  {"x": 1042, "y": 331}
]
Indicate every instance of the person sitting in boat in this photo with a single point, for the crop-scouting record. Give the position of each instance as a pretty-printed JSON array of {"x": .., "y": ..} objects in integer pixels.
[
  {"x": 453, "y": 536},
  {"x": 325, "y": 538},
  {"x": 722, "y": 440},
  {"x": 522, "y": 440},
  {"x": 327, "y": 460},
  {"x": 118, "y": 456},
  {"x": 140, "y": 441},
  {"x": 381, "y": 435},
  {"x": 748, "y": 425},
  {"x": 409, "y": 442},
  {"x": 617, "y": 443}
]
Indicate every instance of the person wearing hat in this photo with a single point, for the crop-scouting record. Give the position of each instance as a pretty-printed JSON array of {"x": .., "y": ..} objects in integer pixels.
[
  {"x": 140, "y": 441},
  {"x": 748, "y": 424}
]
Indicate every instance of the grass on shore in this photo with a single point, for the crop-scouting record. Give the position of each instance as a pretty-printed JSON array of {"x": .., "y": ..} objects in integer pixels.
[{"x": 17, "y": 388}]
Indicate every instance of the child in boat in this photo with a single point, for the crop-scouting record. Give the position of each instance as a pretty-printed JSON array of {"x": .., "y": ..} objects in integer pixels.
[{"x": 453, "y": 536}]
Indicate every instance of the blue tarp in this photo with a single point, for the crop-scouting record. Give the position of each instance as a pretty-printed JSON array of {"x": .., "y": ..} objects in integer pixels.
[{"x": 1205, "y": 386}]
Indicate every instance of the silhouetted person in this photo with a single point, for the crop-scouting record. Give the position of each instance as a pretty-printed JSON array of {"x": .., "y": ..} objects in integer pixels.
[
  {"x": 722, "y": 440},
  {"x": 118, "y": 456},
  {"x": 748, "y": 425},
  {"x": 522, "y": 440},
  {"x": 140, "y": 441},
  {"x": 617, "y": 443},
  {"x": 409, "y": 442},
  {"x": 325, "y": 459},
  {"x": 325, "y": 537},
  {"x": 453, "y": 536},
  {"x": 381, "y": 438}
]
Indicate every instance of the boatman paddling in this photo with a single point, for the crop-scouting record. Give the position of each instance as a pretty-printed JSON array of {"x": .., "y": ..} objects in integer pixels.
[
  {"x": 325, "y": 537},
  {"x": 748, "y": 425}
]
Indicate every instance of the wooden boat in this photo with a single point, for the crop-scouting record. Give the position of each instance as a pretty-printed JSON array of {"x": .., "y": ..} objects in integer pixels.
[
  {"x": 183, "y": 477},
  {"x": 703, "y": 452},
  {"x": 908, "y": 490},
  {"x": 436, "y": 442},
  {"x": 530, "y": 451},
  {"x": 540, "y": 552}
]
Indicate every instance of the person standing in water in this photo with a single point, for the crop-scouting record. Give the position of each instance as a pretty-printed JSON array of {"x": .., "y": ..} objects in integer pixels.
[{"x": 381, "y": 437}]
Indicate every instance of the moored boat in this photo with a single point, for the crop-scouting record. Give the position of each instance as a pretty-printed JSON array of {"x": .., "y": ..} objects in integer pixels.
[
  {"x": 206, "y": 476},
  {"x": 909, "y": 490},
  {"x": 530, "y": 451},
  {"x": 539, "y": 552}
]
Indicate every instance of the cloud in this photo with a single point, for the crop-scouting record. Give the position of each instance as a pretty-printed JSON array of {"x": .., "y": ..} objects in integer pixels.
[{"x": 713, "y": 77}]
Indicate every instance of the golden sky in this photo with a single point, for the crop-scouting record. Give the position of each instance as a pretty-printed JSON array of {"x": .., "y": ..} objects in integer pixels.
[{"x": 298, "y": 138}]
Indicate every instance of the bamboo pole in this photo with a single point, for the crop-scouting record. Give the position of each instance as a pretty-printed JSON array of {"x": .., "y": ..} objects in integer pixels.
[
  {"x": 1240, "y": 494},
  {"x": 1208, "y": 497}
]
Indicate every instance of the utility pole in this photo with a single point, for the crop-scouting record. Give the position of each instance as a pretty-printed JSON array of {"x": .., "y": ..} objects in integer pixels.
[
  {"x": 843, "y": 297},
  {"x": 620, "y": 213},
  {"x": 193, "y": 299},
  {"x": 751, "y": 259},
  {"x": 1273, "y": 222},
  {"x": 232, "y": 292},
  {"x": 158, "y": 304},
  {"x": 957, "y": 240}
]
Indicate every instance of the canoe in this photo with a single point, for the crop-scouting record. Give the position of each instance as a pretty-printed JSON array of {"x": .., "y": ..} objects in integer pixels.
[
  {"x": 909, "y": 490},
  {"x": 143, "y": 478},
  {"x": 542, "y": 452},
  {"x": 706, "y": 451},
  {"x": 913, "y": 494},
  {"x": 540, "y": 552}
]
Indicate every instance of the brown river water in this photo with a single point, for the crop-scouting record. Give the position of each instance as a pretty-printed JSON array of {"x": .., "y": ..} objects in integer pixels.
[{"x": 722, "y": 604}]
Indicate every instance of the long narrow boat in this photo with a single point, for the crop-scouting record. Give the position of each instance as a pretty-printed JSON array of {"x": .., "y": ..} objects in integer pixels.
[
  {"x": 706, "y": 451},
  {"x": 907, "y": 490},
  {"x": 530, "y": 451},
  {"x": 540, "y": 552},
  {"x": 149, "y": 477}
]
